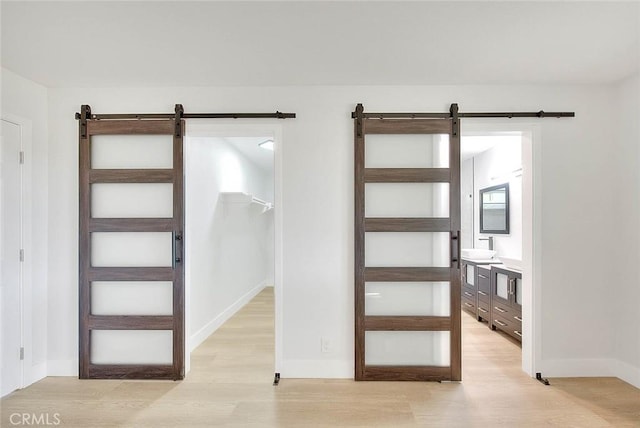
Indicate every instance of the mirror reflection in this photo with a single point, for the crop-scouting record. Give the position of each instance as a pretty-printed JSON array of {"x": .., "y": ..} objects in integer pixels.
[{"x": 494, "y": 209}]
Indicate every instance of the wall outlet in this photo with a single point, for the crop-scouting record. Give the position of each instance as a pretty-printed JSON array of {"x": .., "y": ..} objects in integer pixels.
[{"x": 326, "y": 345}]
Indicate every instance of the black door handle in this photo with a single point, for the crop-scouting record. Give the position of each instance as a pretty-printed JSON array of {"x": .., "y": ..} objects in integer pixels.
[{"x": 177, "y": 248}]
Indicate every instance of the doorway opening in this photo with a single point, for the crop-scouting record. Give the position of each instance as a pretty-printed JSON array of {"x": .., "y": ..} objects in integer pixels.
[
  {"x": 499, "y": 269},
  {"x": 232, "y": 243}
]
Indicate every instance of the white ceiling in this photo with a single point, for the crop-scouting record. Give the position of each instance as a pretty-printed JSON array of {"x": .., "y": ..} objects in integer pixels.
[
  {"x": 248, "y": 146},
  {"x": 180, "y": 43},
  {"x": 473, "y": 145}
]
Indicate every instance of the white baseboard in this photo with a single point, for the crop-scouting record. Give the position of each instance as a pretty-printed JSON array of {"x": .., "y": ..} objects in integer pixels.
[
  {"x": 627, "y": 373},
  {"x": 35, "y": 373},
  {"x": 321, "y": 369},
  {"x": 604, "y": 367},
  {"x": 588, "y": 367},
  {"x": 201, "y": 335},
  {"x": 62, "y": 368}
]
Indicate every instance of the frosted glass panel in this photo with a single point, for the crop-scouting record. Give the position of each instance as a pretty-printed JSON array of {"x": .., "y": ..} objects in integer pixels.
[
  {"x": 131, "y": 347},
  {"x": 519, "y": 291},
  {"x": 502, "y": 287},
  {"x": 407, "y": 298},
  {"x": 471, "y": 274},
  {"x": 131, "y": 151},
  {"x": 406, "y": 199},
  {"x": 131, "y": 249},
  {"x": 407, "y": 348},
  {"x": 131, "y": 298},
  {"x": 135, "y": 200},
  {"x": 406, "y": 151},
  {"x": 397, "y": 249}
]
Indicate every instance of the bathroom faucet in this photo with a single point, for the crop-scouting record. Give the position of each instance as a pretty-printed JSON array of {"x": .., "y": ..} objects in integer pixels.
[{"x": 490, "y": 239}]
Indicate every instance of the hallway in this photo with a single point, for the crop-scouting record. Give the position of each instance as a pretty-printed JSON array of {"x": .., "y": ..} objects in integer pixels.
[{"x": 230, "y": 386}]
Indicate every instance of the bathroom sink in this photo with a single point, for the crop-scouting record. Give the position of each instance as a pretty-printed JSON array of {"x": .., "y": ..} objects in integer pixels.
[{"x": 478, "y": 254}]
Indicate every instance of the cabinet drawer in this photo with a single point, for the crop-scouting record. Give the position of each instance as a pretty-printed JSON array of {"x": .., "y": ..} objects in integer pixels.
[
  {"x": 484, "y": 280},
  {"x": 469, "y": 294},
  {"x": 483, "y": 311},
  {"x": 469, "y": 305},
  {"x": 501, "y": 310},
  {"x": 484, "y": 295},
  {"x": 509, "y": 326},
  {"x": 517, "y": 320}
]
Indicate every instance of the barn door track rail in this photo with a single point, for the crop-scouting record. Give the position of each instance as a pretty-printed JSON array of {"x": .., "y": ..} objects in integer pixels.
[{"x": 85, "y": 114}]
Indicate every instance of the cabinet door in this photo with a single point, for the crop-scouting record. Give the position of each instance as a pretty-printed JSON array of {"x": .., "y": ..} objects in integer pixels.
[
  {"x": 469, "y": 275},
  {"x": 500, "y": 288},
  {"x": 516, "y": 296}
]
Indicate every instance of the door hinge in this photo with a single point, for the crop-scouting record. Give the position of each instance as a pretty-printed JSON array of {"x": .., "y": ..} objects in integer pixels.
[
  {"x": 21, "y": 353},
  {"x": 21, "y": 255},
  {"x": 21, "y": 158}
]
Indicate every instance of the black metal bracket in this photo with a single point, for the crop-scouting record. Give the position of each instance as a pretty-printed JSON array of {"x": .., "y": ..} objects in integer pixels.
[
  {"x": 276, "y": 379},
  {"x": 83, "y": 116},
  {"x": 359, "y": 117},
  {"x": 541, "y": 379},
  {"x": 455, "y": 125},
  {"x": 179, "y": 112}
]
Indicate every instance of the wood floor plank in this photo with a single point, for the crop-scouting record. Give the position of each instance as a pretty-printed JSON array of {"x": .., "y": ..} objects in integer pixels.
[{"x": 230, "y": 386}]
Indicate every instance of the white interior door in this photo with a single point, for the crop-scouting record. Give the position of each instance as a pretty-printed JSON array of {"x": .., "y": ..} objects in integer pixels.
[{"x": 11, "y": 238}]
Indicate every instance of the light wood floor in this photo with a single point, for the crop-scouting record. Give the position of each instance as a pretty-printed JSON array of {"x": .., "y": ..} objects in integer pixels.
[{"x": 230, "y": 386}]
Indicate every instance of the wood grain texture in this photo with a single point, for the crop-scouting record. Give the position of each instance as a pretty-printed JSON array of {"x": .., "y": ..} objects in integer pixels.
[
  {"x": 130, "y": 274},
  {"x": 406, "y": 175},
  {"x": 229, "y": 385},
  {"x": 359, "y": 241},
  {"x": 408, "y": 126},
  {"x": 174, "y": 225},
  {"x": 406, "y": 323},
  {"x": 133, "y": 371},
  {"x": 407, "y": 274},
  {"x": 130, "y": 225},
  {"x": 84, "y": 256},
  {"x": 131, "y": 176},
  {"x": 178, "y": 267},
  {"x": 450, "y": 175},
  {"x": 455, "y": 281},
  {"x": 407, "y": 224},
  {"x": 130, "y": 322},
  {"x": 407, "y": 373},
  {"x": 130, "y": 127}
]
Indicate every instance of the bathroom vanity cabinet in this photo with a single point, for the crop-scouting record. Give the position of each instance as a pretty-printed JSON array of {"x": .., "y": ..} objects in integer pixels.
[
  {"x": 475, "y": 288},
  {"x": 506, "y": 301},
  {"x": 483, "y": 276},
  {"x": 493, "y": 293}
]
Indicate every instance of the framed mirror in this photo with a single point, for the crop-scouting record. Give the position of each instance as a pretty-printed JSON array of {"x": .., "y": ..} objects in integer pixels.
[{"x": 494, "y": 209}]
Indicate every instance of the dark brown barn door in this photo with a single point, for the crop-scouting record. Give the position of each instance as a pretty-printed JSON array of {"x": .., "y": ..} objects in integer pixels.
[
  {"x": 407, "y": 235},
  {"x": 131, "y": 268}
]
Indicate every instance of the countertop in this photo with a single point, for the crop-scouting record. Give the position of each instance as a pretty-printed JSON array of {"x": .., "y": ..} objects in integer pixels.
[{"x": 488, "y": 263}]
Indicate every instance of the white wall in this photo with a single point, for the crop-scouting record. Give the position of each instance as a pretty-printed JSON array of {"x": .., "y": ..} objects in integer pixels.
[
  {"x": 466, "y": 202},
  {"x": 624, "y": 283},
  {"x": 490, "y": 168},
  {"x": 27, "y": 101},
  {"x": 227, "y": 244},
  {"x": 318, "y": 208}
]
